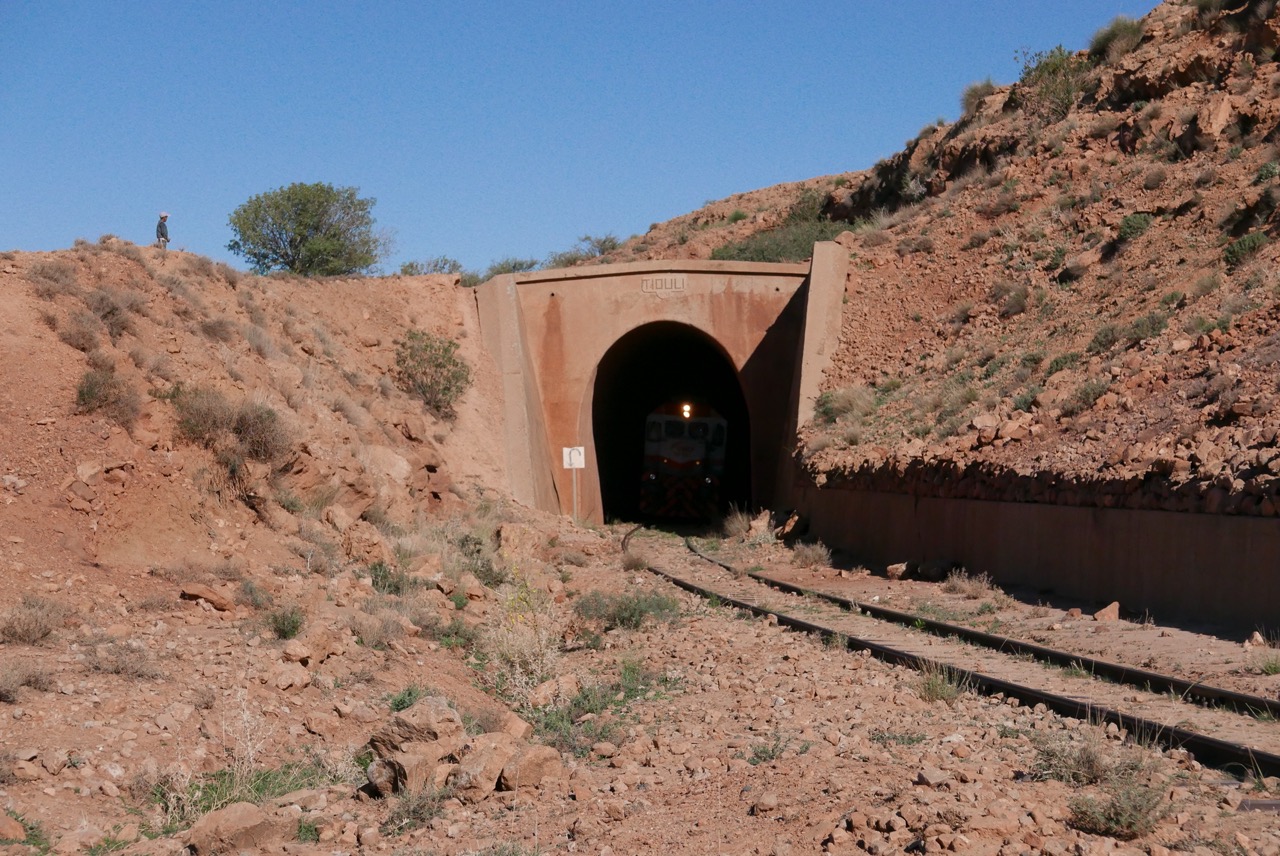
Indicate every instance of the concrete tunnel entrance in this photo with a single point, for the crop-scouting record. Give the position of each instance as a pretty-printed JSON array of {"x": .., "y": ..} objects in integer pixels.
[
  {"x": 644, "y": 369},
  {"x": 585, "y": 354}
]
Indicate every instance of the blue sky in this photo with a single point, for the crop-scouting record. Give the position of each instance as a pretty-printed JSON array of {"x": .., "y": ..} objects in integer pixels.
[{"x": 483, "y": 129}]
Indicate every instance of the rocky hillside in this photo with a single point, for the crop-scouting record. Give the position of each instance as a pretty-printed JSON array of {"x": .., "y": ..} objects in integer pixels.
[
  {"x": 257, "y": 596},
  {"x": 1068, "y": 295}
]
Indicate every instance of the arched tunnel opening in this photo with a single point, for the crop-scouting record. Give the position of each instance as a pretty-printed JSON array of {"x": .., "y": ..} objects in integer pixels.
[{"x": 664, "y": 363}]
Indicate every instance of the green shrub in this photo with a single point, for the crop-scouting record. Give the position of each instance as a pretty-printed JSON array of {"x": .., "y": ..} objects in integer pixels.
[
  {"x": 1145, "y": 327},
  {"x": 630, "y": 610},
  {"x": 1134, "y": 225},
  {"x": 941, "y": 683},
  {"x": 1115, "y": 40},
  {"x": 1104, "y": 339},
  {"x": 427, "y": 365},
  {"x": 578, "y": 724},
  {"x": 1237, "y": 251},
  {"x": 1084, "y": 396},
  {"x": 287, "y": 623},
  {"x": 182, "y": 800},
  {"x": 1128, "y": 810},
  {"x": 737, "y": 215},
  {"x": 974, "y": 94},
  {"x": 1266, "y": 172},
  {"x": 1051, "y": 82},
  {"x": 406, "y": 698},
  {"x": 1026, "y": 399},
  {"x": 1060, "y": 362},
  {"x": 388, "y": 580}
]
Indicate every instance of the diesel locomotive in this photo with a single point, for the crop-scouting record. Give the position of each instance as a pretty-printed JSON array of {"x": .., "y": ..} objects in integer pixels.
[{"x": 684, "y": 445}]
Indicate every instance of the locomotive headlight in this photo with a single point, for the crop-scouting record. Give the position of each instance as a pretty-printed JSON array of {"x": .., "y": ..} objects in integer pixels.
[{"x": 687, "y": 410}]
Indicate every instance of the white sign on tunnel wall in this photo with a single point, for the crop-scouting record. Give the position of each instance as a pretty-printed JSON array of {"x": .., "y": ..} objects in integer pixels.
[
  {"x": 575, "y": 457},
  {"x": 663, "y": 286}
]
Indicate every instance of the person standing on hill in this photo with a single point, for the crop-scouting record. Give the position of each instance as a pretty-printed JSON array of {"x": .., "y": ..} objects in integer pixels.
[{"x": 162, "y": 231}]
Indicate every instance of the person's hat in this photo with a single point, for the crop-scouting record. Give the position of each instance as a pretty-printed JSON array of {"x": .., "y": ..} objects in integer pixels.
[{"x": 164, "y": 213}]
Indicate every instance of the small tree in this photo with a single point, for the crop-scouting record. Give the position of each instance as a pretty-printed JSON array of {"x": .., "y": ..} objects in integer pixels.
[
  {"x": 428, "y": 366},
  {"x": 310, "y": 229}
]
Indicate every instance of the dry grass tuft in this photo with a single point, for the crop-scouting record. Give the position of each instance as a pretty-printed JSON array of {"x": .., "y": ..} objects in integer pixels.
[
  {"x": 115, "y": 309},
  {"x": 522, "y": 646},
  {"x": 102, "y": 390},
  {"x": 54, "y": 278},
  {"x": 32, "y": 621},
  {"x": 126, "y": 658},
  {"x": 811, "y": 555},
  {"x": 378, "y": 630},
  {"x": 13, "y": 678},
  {"x": 941, "y": 683},
  {"x": 973, "y": 586},
  {"x": 220, "y": 329}
]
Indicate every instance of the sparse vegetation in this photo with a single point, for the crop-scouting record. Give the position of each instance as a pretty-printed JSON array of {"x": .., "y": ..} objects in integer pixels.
[
  {"x": 414, "y": 809},
  {"x": 521, "y": 647},
  {"x": 592, "y": 247},
  {"x": 1060, "y": 362},
  {"x": 971, "y": 586},
  {"x": 792, "y": 241},
  {"x": 14, "y": 678},
  {"x": 577, "y": 724},
  {"x": 439, "y": 264},
  {"x": 127, "y": 658},
  {"x": 1126, "y": 810},
  {"x": 427, "y": 366}
]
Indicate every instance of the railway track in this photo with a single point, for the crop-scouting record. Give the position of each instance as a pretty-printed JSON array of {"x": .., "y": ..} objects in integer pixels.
[{"x": 1221, "y": 728}]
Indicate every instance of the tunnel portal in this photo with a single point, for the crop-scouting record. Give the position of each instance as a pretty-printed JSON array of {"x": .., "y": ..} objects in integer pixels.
[{"x": 646, "y": 368}]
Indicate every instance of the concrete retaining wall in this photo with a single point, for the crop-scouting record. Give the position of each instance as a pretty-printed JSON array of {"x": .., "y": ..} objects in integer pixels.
[{"x": 1179, "y": 567}]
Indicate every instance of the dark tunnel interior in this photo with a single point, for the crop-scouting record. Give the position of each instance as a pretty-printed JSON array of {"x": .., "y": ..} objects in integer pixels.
[{"x": 646, "y": 368}]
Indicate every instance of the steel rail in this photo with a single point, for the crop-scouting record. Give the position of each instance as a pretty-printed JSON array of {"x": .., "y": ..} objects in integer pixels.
[
  {"x": 1105, "y": 669},
  {"x": 1207, "y": 750}
]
